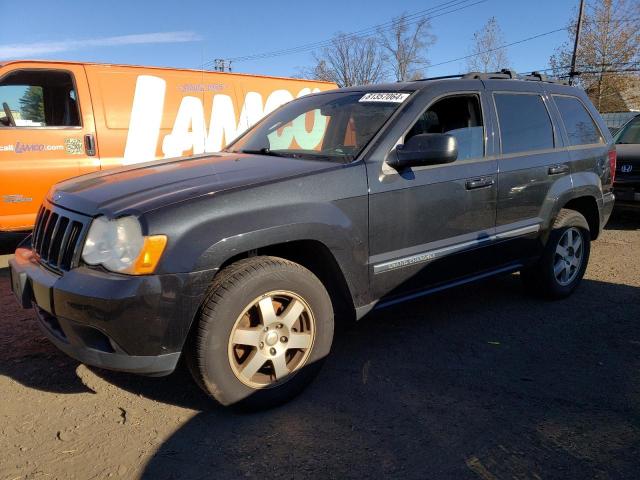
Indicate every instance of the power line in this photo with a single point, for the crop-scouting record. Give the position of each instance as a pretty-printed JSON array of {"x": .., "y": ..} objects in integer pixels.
[
  {"x": 517, "y": 42},
  {"x": 417, "y": 16},
  {"x": 621, "y": 20},
  {"x": 444, "y": 8},
  {"x": 528, "y": 39},
  {"x": 617, "y": 92},
  {"x": 621, "y": 71},
  {"x": 534, "y": 37},
  {"x": 583, "y": 65},
  {"x": 616, "y": 72}
]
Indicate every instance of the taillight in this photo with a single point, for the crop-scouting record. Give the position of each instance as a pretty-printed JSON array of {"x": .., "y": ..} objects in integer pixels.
[{"x": 612, "y": 163}]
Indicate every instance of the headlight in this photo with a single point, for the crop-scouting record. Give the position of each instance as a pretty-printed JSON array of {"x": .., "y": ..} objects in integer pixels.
[{"x": 119, "y": 246}]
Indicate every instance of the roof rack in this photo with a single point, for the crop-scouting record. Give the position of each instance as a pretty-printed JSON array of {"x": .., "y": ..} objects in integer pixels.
[
  {"x": 504, "y": 74},
  {"x": 443, "y": 77},
  {"x": 541, "y": 77}
]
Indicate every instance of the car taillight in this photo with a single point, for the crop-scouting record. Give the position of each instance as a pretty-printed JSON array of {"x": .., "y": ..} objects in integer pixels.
[{"x": 612, "y": 163}]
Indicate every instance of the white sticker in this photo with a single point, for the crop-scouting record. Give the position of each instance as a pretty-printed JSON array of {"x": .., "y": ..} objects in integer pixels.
[{"x": 384, "y": 97}]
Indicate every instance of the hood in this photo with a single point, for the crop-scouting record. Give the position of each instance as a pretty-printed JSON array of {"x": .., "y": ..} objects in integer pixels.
[{"x": 140, "y": 188}]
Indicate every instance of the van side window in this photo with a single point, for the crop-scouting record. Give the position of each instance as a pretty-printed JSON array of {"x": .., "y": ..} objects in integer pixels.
[
  {"x": 524, "y": 122},
  {"x": 581, "y": 128},
  {"x": 38, "y": 98},
  {"x": 460, "y": 116}
]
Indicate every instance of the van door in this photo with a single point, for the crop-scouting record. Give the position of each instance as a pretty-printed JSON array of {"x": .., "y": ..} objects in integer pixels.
[{"x": 47, "y": 134}]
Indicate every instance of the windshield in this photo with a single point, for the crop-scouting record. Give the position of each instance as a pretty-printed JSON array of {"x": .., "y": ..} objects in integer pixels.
[
  {"x": 630, "y": 133},
  {"x": 332, "y": 126}
]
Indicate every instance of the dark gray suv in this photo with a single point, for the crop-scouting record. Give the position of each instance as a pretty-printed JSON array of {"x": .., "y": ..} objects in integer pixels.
[{"x": 333, "y": 205}]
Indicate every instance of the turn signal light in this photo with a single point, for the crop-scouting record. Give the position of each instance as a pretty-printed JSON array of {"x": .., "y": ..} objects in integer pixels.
[{"x": 149, "y": 255}]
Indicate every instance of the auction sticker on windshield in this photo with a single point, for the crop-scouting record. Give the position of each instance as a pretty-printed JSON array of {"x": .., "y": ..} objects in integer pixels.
[{"x": 394, "y": 97}]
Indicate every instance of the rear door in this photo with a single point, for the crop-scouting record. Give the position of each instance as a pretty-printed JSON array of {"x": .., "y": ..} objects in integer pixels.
[
  {"x": 47, "y": 134},
  {"x": 588, "y": 151},
  {"x": 532, "y": 163}
]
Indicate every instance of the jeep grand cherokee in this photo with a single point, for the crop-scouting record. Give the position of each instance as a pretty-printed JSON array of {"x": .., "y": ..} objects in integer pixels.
[{"x": 239, "y": 261}]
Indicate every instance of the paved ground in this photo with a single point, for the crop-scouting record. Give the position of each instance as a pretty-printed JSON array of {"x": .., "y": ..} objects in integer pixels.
[{"x": 480, "y": 382}]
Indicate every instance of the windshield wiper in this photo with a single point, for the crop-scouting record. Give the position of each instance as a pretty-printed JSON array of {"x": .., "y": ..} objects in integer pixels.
[
  {"x": 285, "y": 153},
  {"x": 263, "y": 151}
]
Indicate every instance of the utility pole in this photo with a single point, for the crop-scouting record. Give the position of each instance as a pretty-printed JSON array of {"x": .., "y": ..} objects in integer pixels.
[{"x": 573, "y": 73}]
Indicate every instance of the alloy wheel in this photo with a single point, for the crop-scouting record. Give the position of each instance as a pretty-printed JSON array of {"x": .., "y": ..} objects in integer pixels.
[
  {"x": 271, "y": 339},
  {"x": 568, "y": 256}
]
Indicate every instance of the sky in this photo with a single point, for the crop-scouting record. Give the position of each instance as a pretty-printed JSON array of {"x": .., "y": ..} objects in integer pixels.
[{"x": 187, "y": 33}]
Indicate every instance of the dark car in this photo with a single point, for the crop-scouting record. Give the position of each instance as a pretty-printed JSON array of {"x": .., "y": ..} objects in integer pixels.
[
  {"x": 333, "y": 205},
  {"x": 616, "y": 120},
  {"x": 627, "y": 179}
]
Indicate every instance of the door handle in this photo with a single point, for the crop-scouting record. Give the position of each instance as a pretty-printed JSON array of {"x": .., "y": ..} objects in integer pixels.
[
  {"x": 558, "y": 169},
  {"x": 90, "y": 144},
  {"x": 480, "y": 182}
]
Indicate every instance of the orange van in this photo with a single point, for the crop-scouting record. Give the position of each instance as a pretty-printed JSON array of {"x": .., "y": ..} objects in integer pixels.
[{"x": 63, "y": 119}]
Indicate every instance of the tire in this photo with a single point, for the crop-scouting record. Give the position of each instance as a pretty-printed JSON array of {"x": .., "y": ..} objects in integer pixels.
[
  {"x": 256, "y": 302},
  {"x": 550, "y": 277}
]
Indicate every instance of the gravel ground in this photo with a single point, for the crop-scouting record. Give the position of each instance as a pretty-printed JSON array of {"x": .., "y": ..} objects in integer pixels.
[{"x": 478, "y": 382}]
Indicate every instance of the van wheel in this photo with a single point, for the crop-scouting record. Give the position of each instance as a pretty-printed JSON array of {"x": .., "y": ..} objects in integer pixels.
[
  {"x": 564, "y": 261},
  {"x": 263, "y": 332}
]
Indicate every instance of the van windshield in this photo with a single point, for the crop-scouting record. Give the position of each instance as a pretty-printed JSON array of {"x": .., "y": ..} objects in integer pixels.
[{"x": 329, "y": 126}]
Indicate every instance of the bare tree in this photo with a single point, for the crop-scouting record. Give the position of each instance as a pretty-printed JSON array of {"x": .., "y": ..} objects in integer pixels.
[
  {"x": 348, "y": 60},
  {"x": 486, "y": 51},
  {"x": 319, "y": 71},
  {"x": 406, "y": 45},
  {"x": 608, "y": 53}
]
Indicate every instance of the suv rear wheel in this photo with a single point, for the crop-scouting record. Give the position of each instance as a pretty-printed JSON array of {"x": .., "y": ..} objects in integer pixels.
[
  {"x": 263, "y": 332},
  {"x": 565, "y": 258}
]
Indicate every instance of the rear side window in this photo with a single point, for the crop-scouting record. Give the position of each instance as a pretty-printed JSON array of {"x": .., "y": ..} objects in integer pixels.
[
  {"x": 524, "y": 122},
  {"x": 38, "y": 98},
  {"x": 581, "y": 128}
]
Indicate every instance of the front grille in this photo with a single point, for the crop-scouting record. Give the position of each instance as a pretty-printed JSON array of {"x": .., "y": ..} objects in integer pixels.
[{"x": 57, "y": 237}]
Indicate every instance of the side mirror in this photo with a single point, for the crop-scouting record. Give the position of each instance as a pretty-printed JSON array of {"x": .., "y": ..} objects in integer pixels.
[{"x": 425, "y": 149}]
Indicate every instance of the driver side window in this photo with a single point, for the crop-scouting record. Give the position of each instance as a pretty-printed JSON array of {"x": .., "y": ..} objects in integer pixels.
[
  {"x": 38, "y": 98},
  {"x": 459, "y": 116}
]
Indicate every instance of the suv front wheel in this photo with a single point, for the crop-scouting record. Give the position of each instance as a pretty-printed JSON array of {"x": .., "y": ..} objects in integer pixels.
[
  {"x": 263, "y": 332},
  {"x": 564, "y": 261}
]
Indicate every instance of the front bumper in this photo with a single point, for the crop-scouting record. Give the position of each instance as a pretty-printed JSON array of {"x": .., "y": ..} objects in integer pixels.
[{"x": 129, "y": 323}]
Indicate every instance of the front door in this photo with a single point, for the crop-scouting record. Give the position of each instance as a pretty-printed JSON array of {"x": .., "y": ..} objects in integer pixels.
[
  {"x": 428, "y": 224},
  {"x": 47, "y": 134}
]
